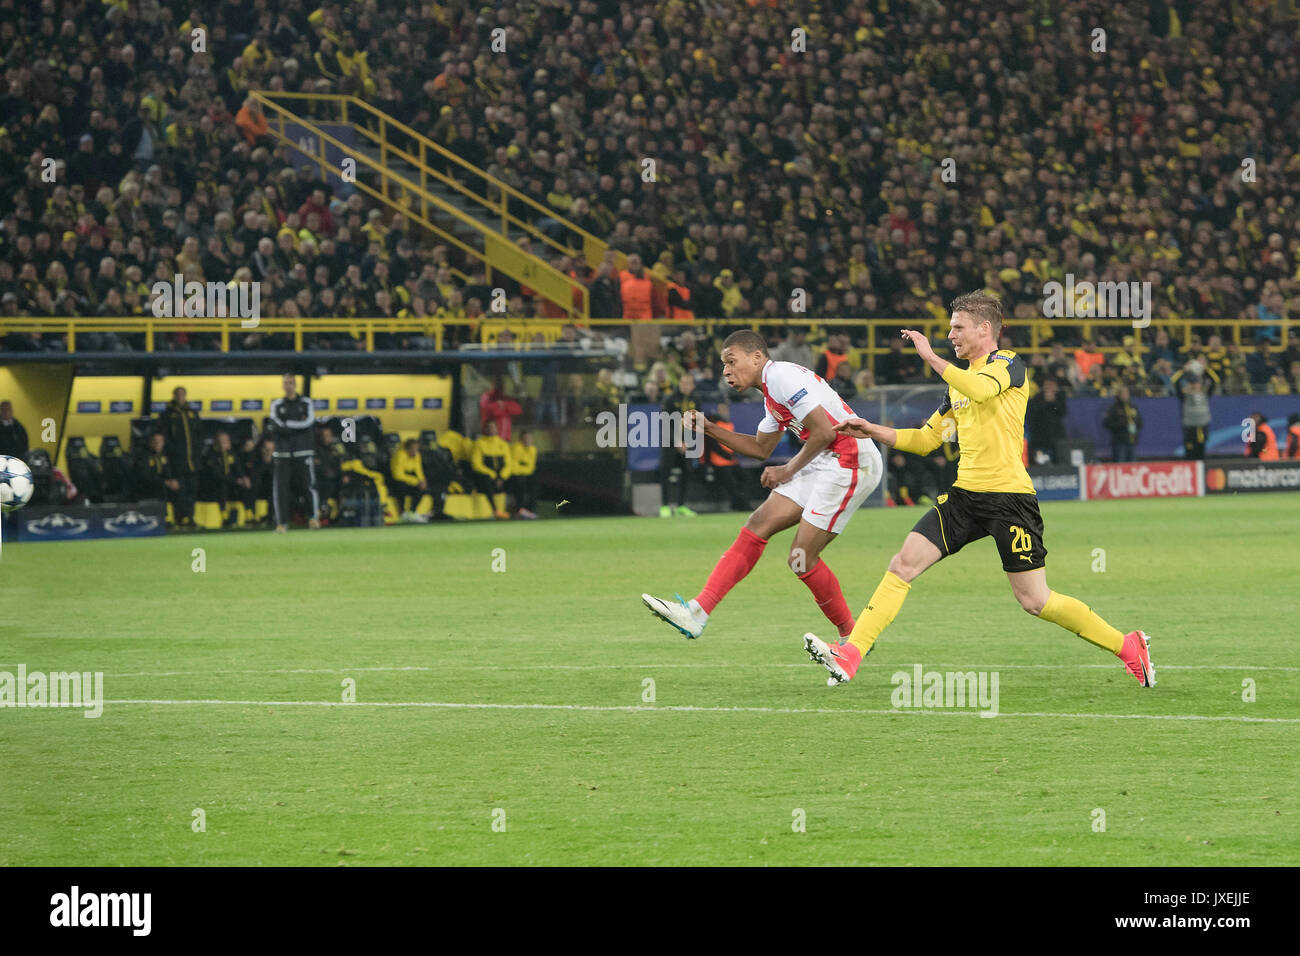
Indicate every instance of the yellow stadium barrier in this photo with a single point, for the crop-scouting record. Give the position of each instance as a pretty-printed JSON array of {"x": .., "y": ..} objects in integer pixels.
[{"x": 486, "y": 329}]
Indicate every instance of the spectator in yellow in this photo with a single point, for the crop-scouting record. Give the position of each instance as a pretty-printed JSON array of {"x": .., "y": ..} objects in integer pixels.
[
  {"x": 374, "y": 228},
  {"x": 325, "y": 24},
  {"x": 257, "y": 54},
  {"x": 609, "y": 395},
  {"x": 409, "y": 484},
  {"x": 1127, "y": 356},
  {"x": 731, "y": 294},
  {"x": 523, "y": 481},
  {"x": 491, "y": 462},
  {"x": 356, "y": 465},
  {"x": 353, "y": 63},
  {"x": 453, "y": 309}
]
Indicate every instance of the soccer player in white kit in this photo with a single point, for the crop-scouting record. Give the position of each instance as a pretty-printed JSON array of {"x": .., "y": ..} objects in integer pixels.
[{"x": 818, "y": 490}]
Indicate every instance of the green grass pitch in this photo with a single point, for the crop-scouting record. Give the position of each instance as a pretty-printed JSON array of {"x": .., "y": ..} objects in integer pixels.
[{"x": 499, "y": 715}]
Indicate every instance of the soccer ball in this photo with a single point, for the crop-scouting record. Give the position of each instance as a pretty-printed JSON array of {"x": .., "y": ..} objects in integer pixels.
[{"x": 16, "y": 484}]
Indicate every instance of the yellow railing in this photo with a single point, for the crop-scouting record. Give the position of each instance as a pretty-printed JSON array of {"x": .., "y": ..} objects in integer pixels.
[
  {"x": 399, "y": 193},
  {"x": 378, "y": 128},
  {"x": 486, "y": 328},
  {"x": 593, "y": 249}
]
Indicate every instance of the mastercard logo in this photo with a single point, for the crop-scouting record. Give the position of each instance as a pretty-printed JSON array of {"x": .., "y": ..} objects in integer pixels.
[{"x": 1215, "y": 479}]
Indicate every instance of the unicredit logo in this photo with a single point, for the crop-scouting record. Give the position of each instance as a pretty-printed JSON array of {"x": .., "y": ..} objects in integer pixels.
[{"x": 1142, "y": 481}]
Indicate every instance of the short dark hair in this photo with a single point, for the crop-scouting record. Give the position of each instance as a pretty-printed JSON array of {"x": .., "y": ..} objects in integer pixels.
[
  {"x": 985, "y": 308},
  {"x": 746, "y": 340}
]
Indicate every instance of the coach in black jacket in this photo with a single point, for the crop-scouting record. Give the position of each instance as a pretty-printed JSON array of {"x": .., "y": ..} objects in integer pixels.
[
  {"x": 293, "y": 421},
  {"x": 180, "y": 428}
]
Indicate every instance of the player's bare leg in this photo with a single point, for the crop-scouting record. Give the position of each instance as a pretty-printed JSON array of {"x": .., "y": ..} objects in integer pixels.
[
  {"x": 1031, "y": 590},
  {"x": 911, "y": 561},
  {"x": 689, "y": 617},
  {"x": 774, "y": 515}
]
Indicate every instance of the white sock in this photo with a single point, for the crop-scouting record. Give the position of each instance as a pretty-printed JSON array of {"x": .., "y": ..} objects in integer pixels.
[{"x": 698, "y": 612}]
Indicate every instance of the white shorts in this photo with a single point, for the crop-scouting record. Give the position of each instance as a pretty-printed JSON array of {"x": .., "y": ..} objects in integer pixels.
[{"x": 829, "y": 493}]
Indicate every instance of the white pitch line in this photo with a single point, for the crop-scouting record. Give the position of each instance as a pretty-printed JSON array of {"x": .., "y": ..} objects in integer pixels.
[
  {"x": 756, "y": 665},
  {"x": 685, "y": 708}
]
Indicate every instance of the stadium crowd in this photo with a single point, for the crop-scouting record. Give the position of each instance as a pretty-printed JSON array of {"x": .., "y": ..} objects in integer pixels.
[
  {"x": 776, "y": 169},
  {"x": 881, "y": 158}
]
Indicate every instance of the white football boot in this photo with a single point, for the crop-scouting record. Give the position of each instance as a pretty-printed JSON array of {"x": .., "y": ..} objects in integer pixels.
[{"x": 678, "y": 614}]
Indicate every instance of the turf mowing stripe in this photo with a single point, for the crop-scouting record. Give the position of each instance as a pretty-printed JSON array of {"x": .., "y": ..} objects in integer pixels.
[
  {"x": 686, "y": 708},
  {"x": 677, "y": 666}
]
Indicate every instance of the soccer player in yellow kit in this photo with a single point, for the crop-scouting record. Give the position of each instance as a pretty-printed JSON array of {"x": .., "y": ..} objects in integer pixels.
[{"x": 993, "y": 495}]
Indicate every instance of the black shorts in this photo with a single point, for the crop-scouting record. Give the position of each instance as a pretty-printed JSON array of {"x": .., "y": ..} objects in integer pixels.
[{"x": 961, "y": 517}]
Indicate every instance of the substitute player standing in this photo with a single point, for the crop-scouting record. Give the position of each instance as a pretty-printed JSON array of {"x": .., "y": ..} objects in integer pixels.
[
  {"x": 993, "y": 495},
  {"x": 819, "y": 489}
]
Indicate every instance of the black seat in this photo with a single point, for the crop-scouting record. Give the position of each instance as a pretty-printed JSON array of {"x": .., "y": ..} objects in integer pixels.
[
  {"x": 84, "y": 470},
  {"x": 141, "y": 429},
  {"x": 114, "y": 468}
]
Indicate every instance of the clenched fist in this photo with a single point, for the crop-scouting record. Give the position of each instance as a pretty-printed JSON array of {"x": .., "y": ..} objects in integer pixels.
[{"x": 694, "y": 421}]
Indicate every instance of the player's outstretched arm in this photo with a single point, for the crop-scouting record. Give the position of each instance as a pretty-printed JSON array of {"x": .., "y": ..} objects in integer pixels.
[
  {"x": 861, "y": 428},
  {"x": 977, "y": 386},
  {"x": 918, "y": 441},
  {"x": 758, "y": 447}
]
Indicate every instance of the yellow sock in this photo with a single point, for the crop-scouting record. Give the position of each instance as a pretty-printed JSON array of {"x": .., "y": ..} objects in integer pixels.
[
  {"x": 499, "y": 501},
  {"x": 880, "y": 610},
  {"x": 1076, "y": 617}
]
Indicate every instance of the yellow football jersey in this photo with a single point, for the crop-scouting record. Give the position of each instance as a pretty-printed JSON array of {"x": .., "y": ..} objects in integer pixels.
[{"x": 984, "y": 411}]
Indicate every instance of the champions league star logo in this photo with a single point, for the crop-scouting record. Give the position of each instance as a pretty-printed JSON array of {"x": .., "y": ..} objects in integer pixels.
[
  {"x": 131, "y": 522},
  {"x": 57, "y": 523}
]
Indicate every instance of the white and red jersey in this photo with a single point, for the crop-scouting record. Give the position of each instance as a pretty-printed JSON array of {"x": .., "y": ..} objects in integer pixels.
[{"x": 791, "y": 393}]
